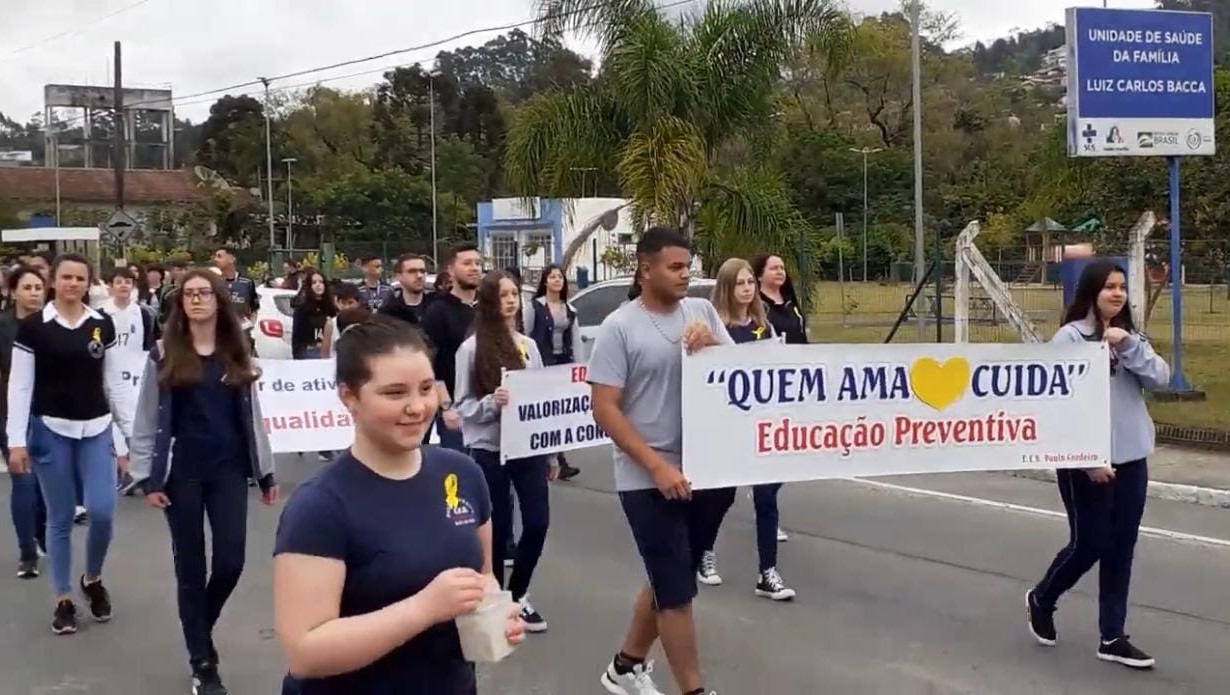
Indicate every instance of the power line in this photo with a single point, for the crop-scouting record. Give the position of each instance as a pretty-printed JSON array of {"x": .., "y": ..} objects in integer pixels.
[
  {"x": 196, "y": 97},
  {"x": 78, "y": 30}
]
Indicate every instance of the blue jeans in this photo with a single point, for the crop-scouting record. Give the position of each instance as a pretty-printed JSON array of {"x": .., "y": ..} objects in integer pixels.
[
  {"x": 29, "y": 512},
  {"x": 528, "y": 476},
  {"x": 764, "y": 499},
  {"x": 58, "y": 462},
  {"x": 1103, "y": 522}
]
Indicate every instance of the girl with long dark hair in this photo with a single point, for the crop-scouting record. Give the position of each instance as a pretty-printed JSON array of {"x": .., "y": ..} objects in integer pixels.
[
  {"x": 743, "y": 314},
  {"x": 383, "y": 548},
  {"x": 1105, "y": 505},
  {"x": 493, "y": 348},
  {"x": 62, "y": 397},
  {"x": 315, "y": 308},
  {"x": 198, "y": 408},
  {"x": 27, "y": 292},
  {"x": 552, "y": 323}
]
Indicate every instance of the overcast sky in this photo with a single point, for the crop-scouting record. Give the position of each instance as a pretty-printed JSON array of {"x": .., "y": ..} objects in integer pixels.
[{"x": 198, "y": 46}]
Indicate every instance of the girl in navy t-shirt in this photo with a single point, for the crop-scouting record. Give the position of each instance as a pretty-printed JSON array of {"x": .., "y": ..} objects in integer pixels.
[
  {"x": 379, "y": 552},
  {"x": 736, "y": 298}
]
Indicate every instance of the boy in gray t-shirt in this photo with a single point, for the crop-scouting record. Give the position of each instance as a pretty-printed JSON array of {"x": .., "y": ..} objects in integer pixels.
[
  {"x": 636, "y": 373},
  {"x": 634, "y": 352}
]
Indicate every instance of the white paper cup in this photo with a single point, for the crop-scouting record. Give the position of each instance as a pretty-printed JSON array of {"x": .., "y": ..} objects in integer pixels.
[{"x": 483, "y": 632}]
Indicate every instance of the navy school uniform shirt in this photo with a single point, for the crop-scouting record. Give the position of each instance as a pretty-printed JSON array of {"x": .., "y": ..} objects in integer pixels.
[
  {"x": 786, "y": 319},
  {"x": 750, "y": 332},
  {"x": 395, "y": 536},
  {"x": 208, "y": 422}
]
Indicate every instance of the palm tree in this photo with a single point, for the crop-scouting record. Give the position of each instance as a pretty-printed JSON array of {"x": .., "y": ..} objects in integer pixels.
[{"x": 673, "y": 96}]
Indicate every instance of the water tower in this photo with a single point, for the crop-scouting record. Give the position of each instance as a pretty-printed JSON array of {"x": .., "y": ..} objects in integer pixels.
[{"x": 154, "y": 149}]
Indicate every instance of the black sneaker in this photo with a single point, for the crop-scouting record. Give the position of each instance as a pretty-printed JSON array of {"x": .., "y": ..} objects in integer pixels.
[
  {"x": 1041, "y": 621},
  {"x": 65, "y": 620},
  {"x": 206, "y": 681},
  {"x": 770, "y": 585},
  {"x": 27, "y": 569},
  {"x": 98, "y": 598},
  {"x": 534, "y": 622},
  {"x": 81, "y": 517},
  {"x": 1122, "y": 651},
  {"x": 126, "y": 485},
  {"x": 567, "y": 472}
]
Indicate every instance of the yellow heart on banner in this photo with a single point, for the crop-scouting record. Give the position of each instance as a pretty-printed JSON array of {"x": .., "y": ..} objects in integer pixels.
[{"x": 939, "y": 385}]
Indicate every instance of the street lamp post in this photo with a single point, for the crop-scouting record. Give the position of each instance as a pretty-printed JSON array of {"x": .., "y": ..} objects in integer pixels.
[
  {"x": 269, "y": 163},
  {"x": 919, "y": 251},
  {"x": 435, "y": 225},
  {"x": 865, "y": 151},
  {"x": 290, "y": 205}
]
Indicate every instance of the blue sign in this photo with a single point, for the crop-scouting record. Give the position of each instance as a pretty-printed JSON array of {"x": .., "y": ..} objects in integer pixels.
[{"x": 1140, "y": 82}]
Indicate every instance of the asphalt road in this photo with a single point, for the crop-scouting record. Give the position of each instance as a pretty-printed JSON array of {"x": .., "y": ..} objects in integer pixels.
[{"x": 899, "y": 594}]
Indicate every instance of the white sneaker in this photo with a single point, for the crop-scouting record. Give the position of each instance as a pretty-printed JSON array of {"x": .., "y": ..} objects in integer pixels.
[
  {"x": 782, "y": 536},
  {"x": 707, "y": 574},
  {"x": 635, "y": 682}
]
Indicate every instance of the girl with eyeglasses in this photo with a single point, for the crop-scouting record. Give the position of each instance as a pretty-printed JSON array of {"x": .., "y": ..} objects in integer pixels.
[
  {"x": 198, "y": 436},
  {"x": 1105, "y": 505}
]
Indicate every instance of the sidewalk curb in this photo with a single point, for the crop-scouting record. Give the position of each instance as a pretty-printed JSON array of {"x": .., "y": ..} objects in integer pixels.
[{"x": 1171, "y": 492}]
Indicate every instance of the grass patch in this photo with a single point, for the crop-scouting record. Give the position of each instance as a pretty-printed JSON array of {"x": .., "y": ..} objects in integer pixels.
[{"x": 864, "y": 313}]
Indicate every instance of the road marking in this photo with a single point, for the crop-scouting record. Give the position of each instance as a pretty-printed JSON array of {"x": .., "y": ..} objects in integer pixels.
[{"x": 996, "y": 504}]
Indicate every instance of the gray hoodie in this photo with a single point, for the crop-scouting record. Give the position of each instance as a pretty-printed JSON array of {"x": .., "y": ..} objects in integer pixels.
[
  {"x": 1135, "y": 367},
  {"x": 480, "y": 416}
]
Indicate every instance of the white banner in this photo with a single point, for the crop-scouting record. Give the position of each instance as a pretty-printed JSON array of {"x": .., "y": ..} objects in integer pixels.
[
  {"x": 806, "y": 412},
  {"x": 298, "y": 399},
  {"x": 548, "y": 411}
]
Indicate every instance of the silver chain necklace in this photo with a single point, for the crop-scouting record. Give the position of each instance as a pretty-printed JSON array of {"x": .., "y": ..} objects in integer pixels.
[{"x": 654, "y": 320}]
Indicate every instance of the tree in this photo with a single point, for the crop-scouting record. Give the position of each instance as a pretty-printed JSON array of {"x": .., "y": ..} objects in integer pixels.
[
  {"x": 515, "y": 66},
  {"x": 670, "y": 96},
  {"x": 1221, "y": 22},
  {"x": 329, "y": 132},
  {"x": 233, "y": 139}
]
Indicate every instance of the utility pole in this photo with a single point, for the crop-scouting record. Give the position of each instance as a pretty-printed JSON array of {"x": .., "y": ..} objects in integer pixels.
[
  {"x": 919, "y": 250},
  {"x": 269, "y": 165},
  {"x": 435, "y": 225},
  {"x": 290, "y": 204},
  {"x": 118, "y": 158}
]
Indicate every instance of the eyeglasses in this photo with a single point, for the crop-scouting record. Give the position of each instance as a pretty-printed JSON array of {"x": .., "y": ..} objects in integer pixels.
[{"x": 202, "y": 295}]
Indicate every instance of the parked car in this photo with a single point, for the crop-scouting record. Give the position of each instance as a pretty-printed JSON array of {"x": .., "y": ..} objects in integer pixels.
[
  {"x": 596, "y": 302},
  {"x": 271, "y": 332}
]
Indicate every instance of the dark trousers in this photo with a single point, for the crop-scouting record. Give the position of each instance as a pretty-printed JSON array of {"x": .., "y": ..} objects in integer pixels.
[
  {"x": 28, "y": 510},
  {"x": 225, "y": 501},
  {"x": 449, "y": 439},
  {"x": 764, "y": 499},
  {"x": 528, "y": 476},
  {"x": 1103, "y": 522}
]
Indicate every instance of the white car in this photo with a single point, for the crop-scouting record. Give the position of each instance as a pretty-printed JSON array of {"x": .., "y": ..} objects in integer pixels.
[
  {"x": 595, "y": 302},
  {"x": 271, "y": 332}
]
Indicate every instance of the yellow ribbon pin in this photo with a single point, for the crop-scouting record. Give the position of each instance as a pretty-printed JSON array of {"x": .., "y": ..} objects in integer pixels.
[
  {"x": 97, "y": 335},
  {"x": 525, "y": 352},
  {"x": 450, "y": 492},
  {"x": 758, "y": 331}
]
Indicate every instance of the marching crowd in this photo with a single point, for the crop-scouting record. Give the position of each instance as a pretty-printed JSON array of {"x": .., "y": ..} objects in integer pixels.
[{"x": 369, "y": 570}]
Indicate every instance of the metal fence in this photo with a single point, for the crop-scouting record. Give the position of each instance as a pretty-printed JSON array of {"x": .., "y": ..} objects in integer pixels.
[{"x": 864, "y": 312}]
